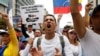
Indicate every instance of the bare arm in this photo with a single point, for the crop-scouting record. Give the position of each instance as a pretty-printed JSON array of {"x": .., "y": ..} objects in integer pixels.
[
  {"x": 11, "y": 31},
  {"x": 58, "y": 22},
  {"x": 86, "y": 18},
  {"x": 79, "y": 23},
  {"x": 6, "y": 19}
]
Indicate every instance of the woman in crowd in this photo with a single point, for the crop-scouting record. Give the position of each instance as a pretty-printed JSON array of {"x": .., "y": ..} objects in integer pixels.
[{"x": 75, "y": 44}]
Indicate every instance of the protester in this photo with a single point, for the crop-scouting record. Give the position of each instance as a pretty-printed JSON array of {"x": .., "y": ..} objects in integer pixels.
[
  {"x": 27, "y": 50},
  {"x": 10, "y": 42},
  {"x": 20, "y": 35},
  {"x": 74, "y": 43},
  {"x": 30, "y": 31},
  {"x": 50, "y": 41},
  {"x": 89, "y": 39},
  {"x": 37, "y": 33},
  {"x": 65, "y": 30}
]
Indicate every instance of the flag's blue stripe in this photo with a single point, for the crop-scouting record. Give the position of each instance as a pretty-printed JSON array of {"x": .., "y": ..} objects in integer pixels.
[{"x": 60, "y": 3}]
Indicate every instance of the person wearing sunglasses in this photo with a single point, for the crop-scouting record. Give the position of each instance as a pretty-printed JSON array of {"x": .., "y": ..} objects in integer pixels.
[{"x": 74, "y": 43}]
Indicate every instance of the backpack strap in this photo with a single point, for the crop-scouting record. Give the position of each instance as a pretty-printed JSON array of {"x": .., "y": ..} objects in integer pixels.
[
  {"x": 62, "y": 41},
  {"x": 62, "y": 44},
  {"x": 39, "y": 41}
]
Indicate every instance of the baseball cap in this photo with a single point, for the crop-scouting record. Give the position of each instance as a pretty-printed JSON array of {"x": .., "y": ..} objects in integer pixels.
[
  {"x": 25, "y": 40},
  {"x": 3, "y": 32},
  {"x": 18, "y": 30}
]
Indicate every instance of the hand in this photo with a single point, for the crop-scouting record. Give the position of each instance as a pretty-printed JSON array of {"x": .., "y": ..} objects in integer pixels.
[
  {"x": 4, "y": 16},
  {"x": 41, "y": 25},
  {"x": 30, "y": 41},
  {"x": 88, "y": 7},
  {"x": 57, "y": 52},
  {"x": 59, "y": 17},
  {"x": 35, "y": 52}
]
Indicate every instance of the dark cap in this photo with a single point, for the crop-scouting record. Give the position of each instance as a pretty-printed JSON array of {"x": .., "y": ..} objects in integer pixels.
[
  {"x": 25, "y": 40},
  {"x": 18, "y": 30},
  {"x": 2, "y": 32},
  {"x": 67, "y": 26}
]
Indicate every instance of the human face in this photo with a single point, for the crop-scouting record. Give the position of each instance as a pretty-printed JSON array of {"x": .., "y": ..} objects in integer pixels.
[
  {"x": 5, "y": 39},
  {"x": 95, "y": 21},
  {"x": 72, "y": 35},
  {"x": 64, "y": 32},
  {"x": 37, "y": 33},
  {"x": 20, "y": 34},
  {"x": 49, "y": 24},
  {"x": 29, "y": 28}
]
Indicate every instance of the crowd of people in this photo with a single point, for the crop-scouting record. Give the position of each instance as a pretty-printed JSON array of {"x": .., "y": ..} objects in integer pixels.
[{"x": 80, "y": 40}]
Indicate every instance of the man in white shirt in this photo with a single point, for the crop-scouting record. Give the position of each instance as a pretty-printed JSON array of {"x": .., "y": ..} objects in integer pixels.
[
  {"x": 89, "y": 39},
  {"x": 50, "y": 41},
  {"x": 30, "y": 31}
]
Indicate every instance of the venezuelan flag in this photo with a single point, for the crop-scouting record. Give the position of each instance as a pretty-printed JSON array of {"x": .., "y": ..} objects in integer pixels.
[{"x": 63, "y": 6}]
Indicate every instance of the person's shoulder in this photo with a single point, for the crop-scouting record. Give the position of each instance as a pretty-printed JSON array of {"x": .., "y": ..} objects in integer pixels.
[
  {"x": 36, "y": 38},
  {"x": 90, "y": 34},
  {"x": 65, "y": 37}
]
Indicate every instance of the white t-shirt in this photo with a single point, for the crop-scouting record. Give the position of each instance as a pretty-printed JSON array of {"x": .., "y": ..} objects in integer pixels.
[
  {"x": 25, "y": 52},
  {"x": 48, "y": 46},
  {"x": 31, "y": 34},
  {"x": 90, "y": 43},
  {"x": 77, "y": 51}
]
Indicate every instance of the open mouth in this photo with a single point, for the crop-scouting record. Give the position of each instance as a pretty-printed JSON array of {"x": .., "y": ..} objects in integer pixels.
[{"x": 49, "y": 26}]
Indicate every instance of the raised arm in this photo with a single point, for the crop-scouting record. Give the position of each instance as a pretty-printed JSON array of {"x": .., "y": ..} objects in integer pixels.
[
  {"x": 12, "y": 34},
  {"x": 58, "y": 22},
  {"x": 86, "y": 18},
  {"x": 79, "y": 23},
  {"x": 24, "y": 31},
  {"x": 26, "y": 51}
]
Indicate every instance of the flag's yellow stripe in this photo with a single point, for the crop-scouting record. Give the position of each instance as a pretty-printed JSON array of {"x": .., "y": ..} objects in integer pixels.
[{"x": 80, "y": 1}]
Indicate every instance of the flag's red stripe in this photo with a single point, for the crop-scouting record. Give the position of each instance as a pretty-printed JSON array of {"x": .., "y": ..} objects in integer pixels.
[{"x": 63, "y": 10}]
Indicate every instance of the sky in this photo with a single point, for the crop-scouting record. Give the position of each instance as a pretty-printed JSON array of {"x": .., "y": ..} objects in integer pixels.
[{"x": 66, "y": 19}]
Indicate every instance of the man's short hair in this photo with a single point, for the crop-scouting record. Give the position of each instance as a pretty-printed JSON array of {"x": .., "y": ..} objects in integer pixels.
[
  {"x": 67, "y": 27},
  {"x": 96, "y": 10},
  {"x": 50, "y": 15},
  {"x": 18, "y": 30},
  {"x": 30, "y": 25},
  {"x": 93, "y": 13}
]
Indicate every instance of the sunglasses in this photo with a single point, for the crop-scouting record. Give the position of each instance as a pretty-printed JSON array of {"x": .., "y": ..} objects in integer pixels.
[
  {"x": 72, "y": 33},
  {"x": 65, "y": 31}
]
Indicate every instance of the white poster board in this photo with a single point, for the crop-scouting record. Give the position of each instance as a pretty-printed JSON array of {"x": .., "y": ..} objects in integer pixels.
[{"x": 32, "y": 14}]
